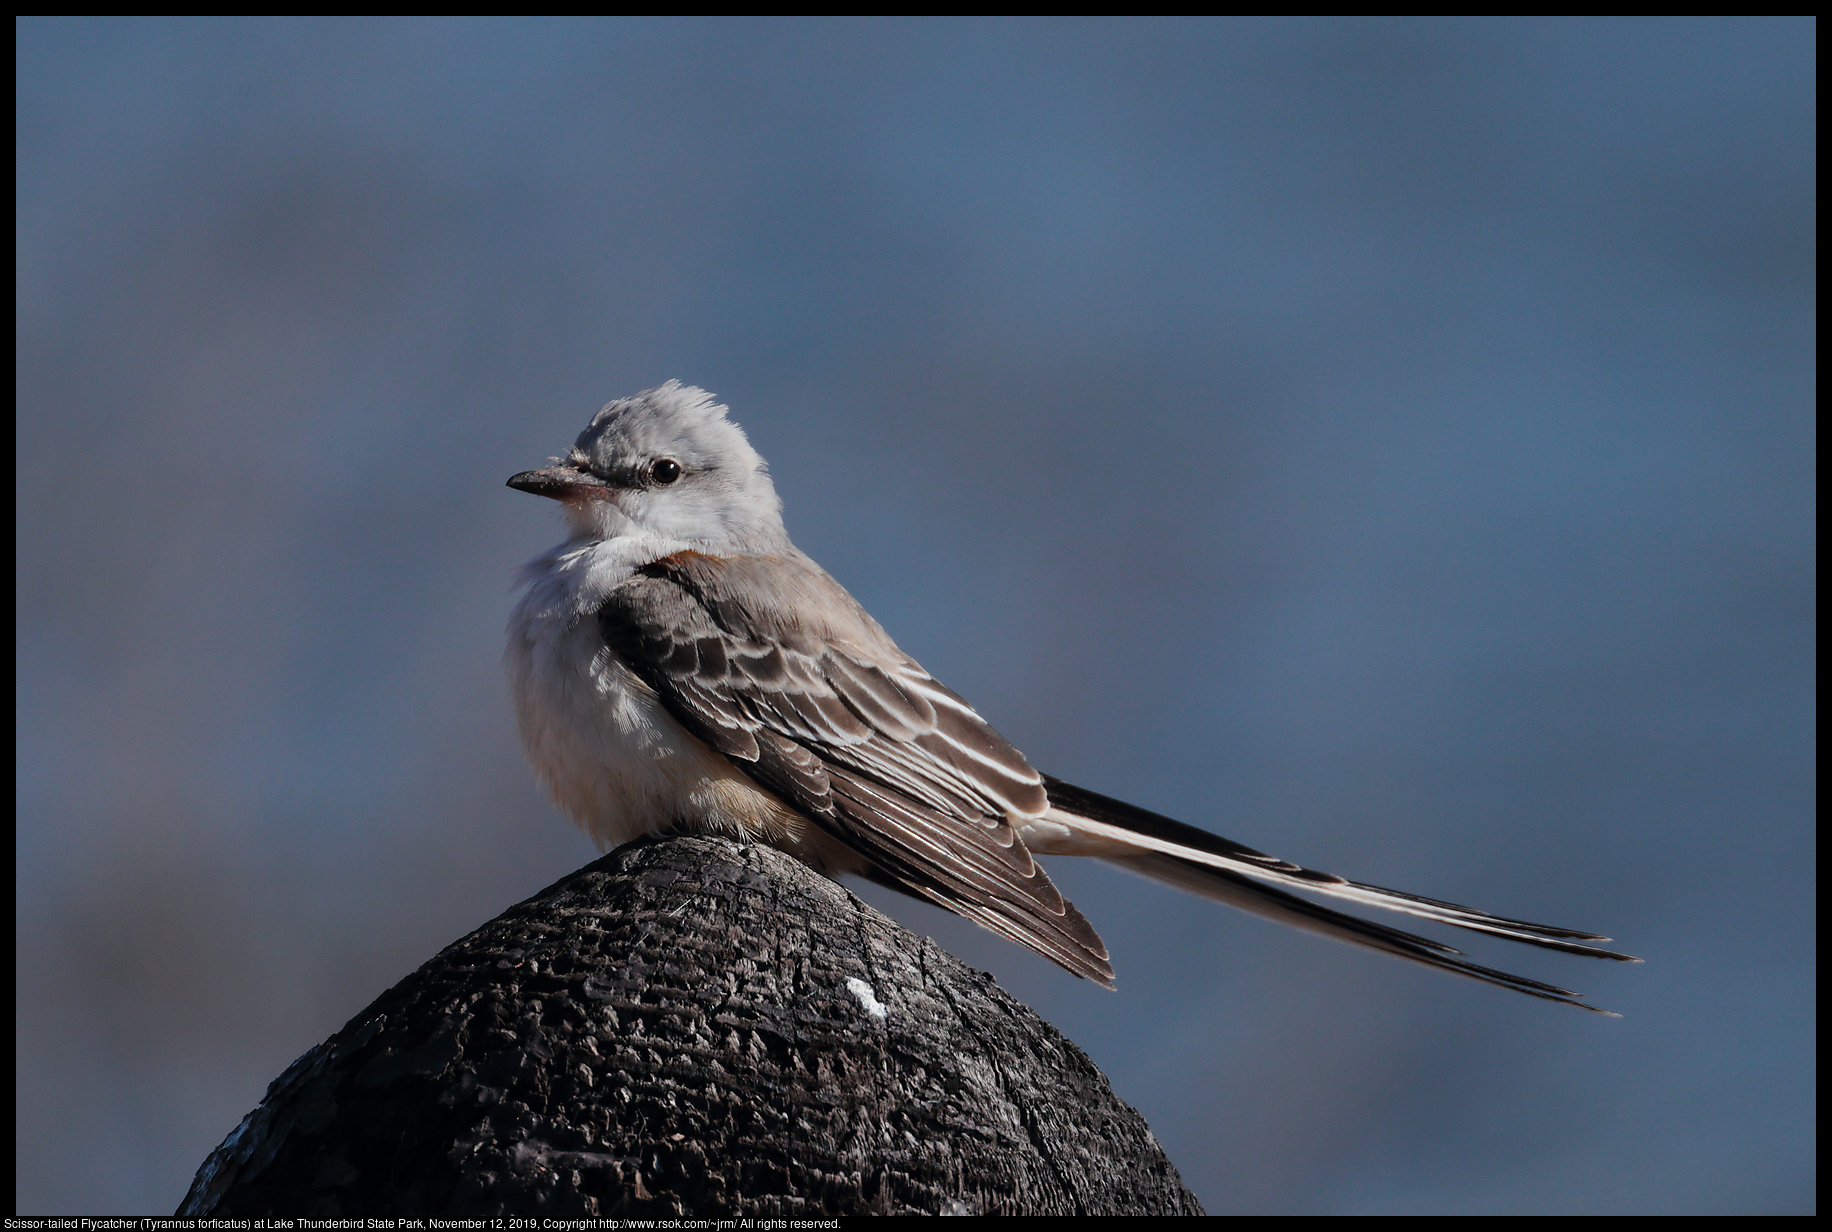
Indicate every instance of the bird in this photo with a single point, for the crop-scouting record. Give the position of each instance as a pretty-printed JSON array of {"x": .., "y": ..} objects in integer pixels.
[{"x": 677, "y": 665}]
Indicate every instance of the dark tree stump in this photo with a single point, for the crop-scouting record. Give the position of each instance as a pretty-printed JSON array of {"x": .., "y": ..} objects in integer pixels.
[{"x": 694, "y": 1027}]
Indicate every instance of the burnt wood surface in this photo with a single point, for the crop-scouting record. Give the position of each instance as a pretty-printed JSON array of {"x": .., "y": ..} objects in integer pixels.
[{"x": 691, "y": 1027}]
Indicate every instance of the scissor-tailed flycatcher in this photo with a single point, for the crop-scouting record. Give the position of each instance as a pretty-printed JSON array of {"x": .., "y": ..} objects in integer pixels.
[{"x": 678, "y": 665}]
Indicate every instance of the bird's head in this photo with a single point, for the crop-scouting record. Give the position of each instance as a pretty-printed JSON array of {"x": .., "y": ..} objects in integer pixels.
[{"x": 668, "y": 463}]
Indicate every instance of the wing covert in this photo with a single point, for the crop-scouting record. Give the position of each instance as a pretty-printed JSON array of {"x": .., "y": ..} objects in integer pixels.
[{"x": 772, "y": 663}]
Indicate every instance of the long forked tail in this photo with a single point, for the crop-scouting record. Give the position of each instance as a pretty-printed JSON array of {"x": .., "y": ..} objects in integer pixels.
[{"x": 1215, "y": 868}]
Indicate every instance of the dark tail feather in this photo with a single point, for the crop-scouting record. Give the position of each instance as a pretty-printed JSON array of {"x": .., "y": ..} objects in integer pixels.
[
  {"x": 1276, "y": 904},
  {"x": 1106, "y": 818}
]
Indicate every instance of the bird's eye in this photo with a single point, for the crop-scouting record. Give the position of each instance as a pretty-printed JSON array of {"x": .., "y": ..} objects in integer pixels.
[{"x": 665, "y": 471}]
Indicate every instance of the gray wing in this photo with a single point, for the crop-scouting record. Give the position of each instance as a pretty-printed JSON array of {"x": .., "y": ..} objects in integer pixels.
[{"x": 772, "y": 663}]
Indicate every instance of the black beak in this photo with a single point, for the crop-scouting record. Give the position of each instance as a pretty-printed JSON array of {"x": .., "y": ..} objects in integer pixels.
[{"x": 560, "y": 482}]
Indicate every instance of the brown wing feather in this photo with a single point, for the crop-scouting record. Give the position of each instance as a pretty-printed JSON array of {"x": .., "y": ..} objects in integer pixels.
[{"x": 772, "y": 663}]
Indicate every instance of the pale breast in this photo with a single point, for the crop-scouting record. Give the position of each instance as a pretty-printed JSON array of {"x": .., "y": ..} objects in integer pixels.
[{"x": 613, "y": 759}]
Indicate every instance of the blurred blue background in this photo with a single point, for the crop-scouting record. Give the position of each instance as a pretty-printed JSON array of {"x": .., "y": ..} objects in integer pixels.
[{"x": 1388, "y": 443}]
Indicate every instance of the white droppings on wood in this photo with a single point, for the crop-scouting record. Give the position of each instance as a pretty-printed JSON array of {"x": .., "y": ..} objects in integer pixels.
[{"x": 868, "y": 999}]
